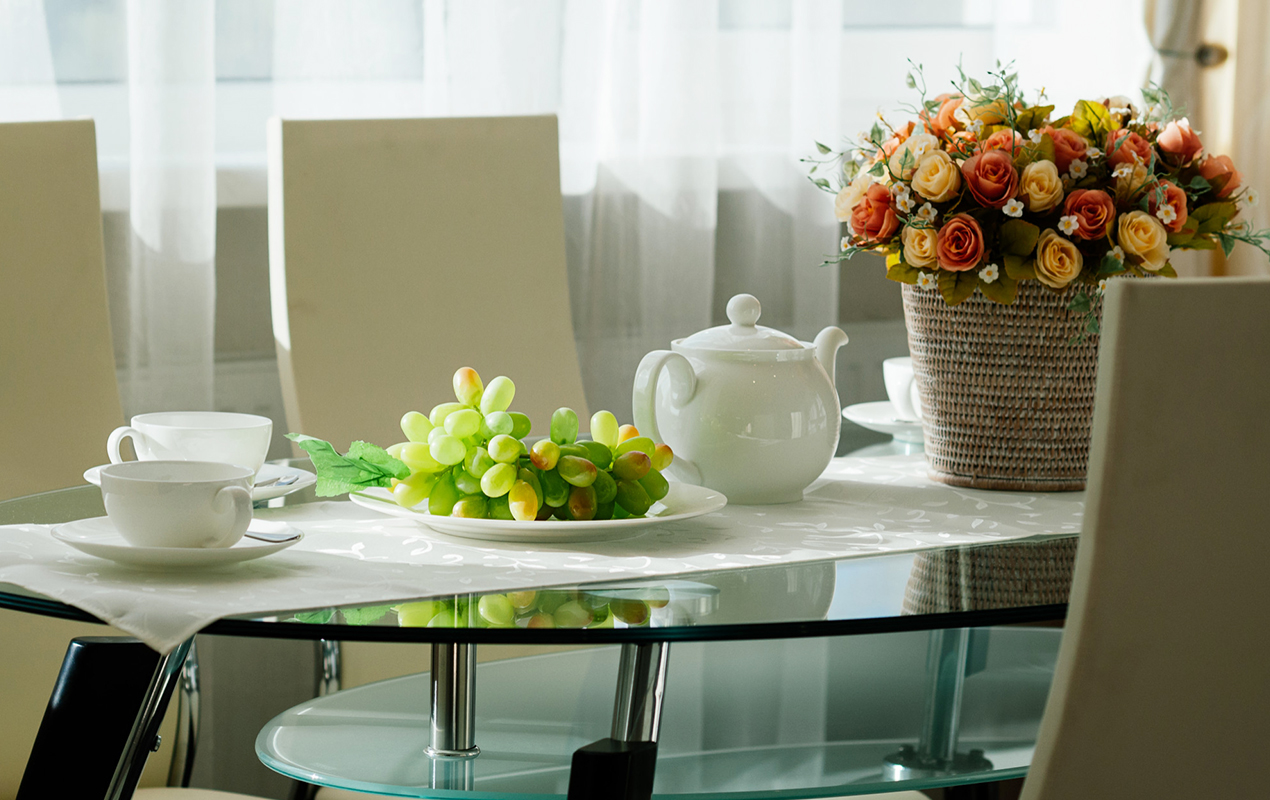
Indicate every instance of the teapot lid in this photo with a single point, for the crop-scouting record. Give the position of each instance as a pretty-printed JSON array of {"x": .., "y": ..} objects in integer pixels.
[{"x": 743, "y": 334}]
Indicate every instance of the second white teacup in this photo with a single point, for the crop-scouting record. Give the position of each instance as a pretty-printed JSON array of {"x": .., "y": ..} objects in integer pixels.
[
  {"x": 901, "y": 388},
  {"x": 178, "y": 503},
  {"x": 230, "y": 438}
]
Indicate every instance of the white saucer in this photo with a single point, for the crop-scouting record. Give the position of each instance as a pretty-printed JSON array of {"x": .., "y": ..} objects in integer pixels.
[
  {"x": 268, "y": 472},
  {"x": 880, "y": 417},
  {"x": 98, "y": 537}
]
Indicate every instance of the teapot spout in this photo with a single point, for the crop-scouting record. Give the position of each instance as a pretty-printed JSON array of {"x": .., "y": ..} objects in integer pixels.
[{"x": 827, "y": 343}]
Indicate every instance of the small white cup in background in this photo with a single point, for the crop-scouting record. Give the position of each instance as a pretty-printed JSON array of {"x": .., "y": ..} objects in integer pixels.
[
  {"x": 178, "y": 503},
  {"x": 901, "y": 388},
  {"x": 229, "y": 438}
]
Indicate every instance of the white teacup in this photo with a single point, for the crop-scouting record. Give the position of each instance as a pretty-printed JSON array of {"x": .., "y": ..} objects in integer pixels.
[
  {"x": 178, "y": 503},
  {"x": 901, "y": 388},
  {"x": 229, "y": 438}
]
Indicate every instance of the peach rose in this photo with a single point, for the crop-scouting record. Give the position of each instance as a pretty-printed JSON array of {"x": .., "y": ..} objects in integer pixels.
[
  {"x": 1123, "y": 145},
  {"x": 1002, "y": 140},
  {"x": 994, "y": 113},
  {"x": 960, "y": 243},
  {"x": 873, "y": 217},
  {"x": 1068, "y": 146},
  {"x": 992, "y": 178},
  {"x": 850, "y": 195},
  {"x": 1094, "y": 211},
  {"x": 890, "y": 145},
  {"x": 920, "y": 246},
  {"x": 1178, "y": 140},
  {"x": 937, "y": 177},
  {"x": 1217, "y": 169},
  {"x": 1058, "y": 260},
  {"x": 1174, "y": 196},
  {"x": 944, "y": 120},
  {"x": 1142, "y": 236},
  {"x": 1041, "y": 186},
  {"x": 903, "y": 161},
  {"x": 1128, "y": 184}
]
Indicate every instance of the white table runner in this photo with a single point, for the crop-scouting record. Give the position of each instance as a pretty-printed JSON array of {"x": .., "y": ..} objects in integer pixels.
[{"x": 350, "y": 555}]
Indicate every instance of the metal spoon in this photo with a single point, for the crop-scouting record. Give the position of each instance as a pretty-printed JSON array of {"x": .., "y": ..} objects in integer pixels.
[{"x": 281, "y": 480}]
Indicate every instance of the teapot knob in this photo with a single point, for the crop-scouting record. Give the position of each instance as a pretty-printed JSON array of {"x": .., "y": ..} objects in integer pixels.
[{"x": 744, "y": 309}]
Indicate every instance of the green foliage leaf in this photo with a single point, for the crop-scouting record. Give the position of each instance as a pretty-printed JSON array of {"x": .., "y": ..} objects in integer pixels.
[
  {"x": 1080, "y": 303},
  {"x": 823, "y": 184},
  {"x": 364, "y": 615},
  {"x": 1019, "y": 267},
  {"x": 1091, "y": 120},
  {"x": 1110, "y": 265},
  {"x": 900, "y": 271},
  {"x": 1033, "y": 117},
  {"x": 1003, "y": 290},
  {"x": 1166, "y": 271},
  {"x": 364, "y": 466},
  {"x": 1213, "y": 217},
  {"x": 957, "y": 286},
  {"x": 824, "y": 149},
  {"x": 1018, "y": 237},
  {"x": 1183, "y": 237},
  {"x": 878, "y": 169},
  {"x": 876, "y": 133},
  {"x": 319, "y": 617},
  {"x": 1227, "y": 243}
]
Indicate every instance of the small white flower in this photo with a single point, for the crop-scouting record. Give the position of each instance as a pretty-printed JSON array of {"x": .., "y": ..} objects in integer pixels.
[
  {"x": 1078, "y": 168},
  {"x": 1102, "y": 286},
  {"x": 1166, "y": 213},
  {"x": 1153, "y": 110},
  {"x": 905, "y": 202},
  {"x": 926, "y": 280},
  {"x": 1092, "y": 152},
  {"x": 1122, "y": 170},
  {"x": 846, "y": 242},
  {"x": 1013, "y": 208},
  {"x": 1118, "y": 110},
  {"x": 920, "y": 150},
  {"x": 1068, "y": 224},
  {"x": 975, "y": 127},
  {"x": 1117, "y": 253},
  {"x": 990, "y": 273},
  {"x": 927, "y": 213},
  {"x": 1251, "y": 197},
  {"x": 1035, "y": 135}
]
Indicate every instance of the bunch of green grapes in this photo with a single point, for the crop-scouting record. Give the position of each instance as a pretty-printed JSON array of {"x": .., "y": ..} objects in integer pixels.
[
  {"x": 468, "y": 459},
  {"x": 551, "y": 608}
]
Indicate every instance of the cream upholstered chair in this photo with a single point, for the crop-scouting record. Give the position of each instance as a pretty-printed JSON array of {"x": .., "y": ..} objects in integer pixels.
[
  {"x": 1160, "y": 689},
  {"x": 403, "y": 249}
]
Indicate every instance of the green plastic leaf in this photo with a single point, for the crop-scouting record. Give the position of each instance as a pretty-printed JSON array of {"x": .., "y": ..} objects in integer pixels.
[
  {"x": 1091, "y": 120},
  {"x": 320, "y": 617},
  {"x": 1019, "y": 267},
  {"x": 366, "y": 465},
  {"x": 1213, "y": 217},
  {"x": 1166, "y": 271},
  {"x": 823, "y": 184},
  {"x": 1003, "y": 290},
  {"x": 1110, "y": 265},
  {"x": 365, "y": 615},
  {"x": 1183, "y": 237},
  {"x": 1033, "y": 117},
  {"x": 957, "y": 286},
  {"x": 1018, "y": 237},
  {"x": 1080, "y": 303},
  {"x": 824, "y": 149},
  {"x": 900, "y": 271},
  {"x": 1227, "y": 242}
]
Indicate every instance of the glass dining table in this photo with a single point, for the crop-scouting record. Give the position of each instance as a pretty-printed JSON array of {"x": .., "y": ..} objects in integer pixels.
[{"x": 892, "y": 671}]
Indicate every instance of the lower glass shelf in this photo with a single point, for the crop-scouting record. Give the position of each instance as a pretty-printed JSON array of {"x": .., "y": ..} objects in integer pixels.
[{"x": 797, "y": 718}]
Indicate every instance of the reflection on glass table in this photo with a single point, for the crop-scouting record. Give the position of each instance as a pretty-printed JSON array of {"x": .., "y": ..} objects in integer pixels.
[{"x": 804, "y": 718}]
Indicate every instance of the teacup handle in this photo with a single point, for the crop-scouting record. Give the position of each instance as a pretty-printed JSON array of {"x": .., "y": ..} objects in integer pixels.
[
  {"x": 230, "y": 494},
  {"x": 117, "y": 436},
  {"x": 683, "y": 385}
]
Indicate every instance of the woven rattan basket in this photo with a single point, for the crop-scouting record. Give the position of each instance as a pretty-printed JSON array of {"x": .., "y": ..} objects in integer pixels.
[
  {"x": 1001, "y": 576},
  {"x": 1007, "y": 399}
]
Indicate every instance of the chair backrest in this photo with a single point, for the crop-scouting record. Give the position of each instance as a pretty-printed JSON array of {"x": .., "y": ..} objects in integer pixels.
[
  {"x": 403, "y": 249},
  {"x": 1161, "y": 688},
  {"x": 59, "y": 398}
]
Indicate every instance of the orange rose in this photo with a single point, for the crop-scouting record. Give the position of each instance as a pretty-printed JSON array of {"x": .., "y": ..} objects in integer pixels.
[
  {"x": 873, "y": 217},
  {"x": 1221, "y": 173},
  {"x": 1125, "y": 145},
  {"x": 1172, "y": 195},
  {"x": 992, "y": 178},
  {"x": 888, "y": 147},
  {"x": 1177, "y": 139},
  {"x": 1068, "y": 146},
  {"x": 1094, "y": 211},
  {"x": 960, "y": 243},
  {"x": 1002, "y": 140},
  {"x": 944, "y": 122}
]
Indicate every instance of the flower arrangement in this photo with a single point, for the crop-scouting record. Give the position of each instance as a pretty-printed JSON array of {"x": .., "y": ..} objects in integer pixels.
[{"x": 984, "y": 190}]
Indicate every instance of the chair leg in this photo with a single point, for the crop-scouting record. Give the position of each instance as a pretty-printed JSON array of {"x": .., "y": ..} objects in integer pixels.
[
  {"x": 104, "y": 713},
  {"x": 326, "y": 681},
  {"x": 188, "y": 706}
]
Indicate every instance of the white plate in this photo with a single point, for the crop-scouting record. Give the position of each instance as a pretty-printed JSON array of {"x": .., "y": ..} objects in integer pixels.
[
  {"x": 683, "y": 501},
  {"x": 97, "y": 536},
  {"x": 880, "y": 417},
  {"x": 268, "y": 472}
]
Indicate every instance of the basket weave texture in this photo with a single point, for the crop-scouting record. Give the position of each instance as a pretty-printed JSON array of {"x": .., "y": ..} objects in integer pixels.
[
  {"x": 1007, "y": 399},
  {"x": 1000, "y": 576}
]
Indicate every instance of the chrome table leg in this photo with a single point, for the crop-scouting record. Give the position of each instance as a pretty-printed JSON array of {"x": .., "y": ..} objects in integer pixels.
[
  {"x": 145, "y": 727},
  {"x": 188, "y": 713},
  {"x": 453, "y": 701},
  {"x": 641, "y": 687}
]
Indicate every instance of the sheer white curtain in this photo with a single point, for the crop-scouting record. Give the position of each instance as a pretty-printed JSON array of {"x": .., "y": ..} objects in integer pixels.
[
  {"x": 172, "y": 162},
  {"x": 26, "y": 64}
]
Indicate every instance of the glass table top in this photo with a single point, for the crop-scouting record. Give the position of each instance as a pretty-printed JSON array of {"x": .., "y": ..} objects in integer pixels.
[{"x": 1018, "y": 581}]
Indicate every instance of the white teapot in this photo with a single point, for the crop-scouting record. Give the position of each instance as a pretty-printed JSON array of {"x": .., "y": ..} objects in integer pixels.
[{"x": 749, "y": 411}]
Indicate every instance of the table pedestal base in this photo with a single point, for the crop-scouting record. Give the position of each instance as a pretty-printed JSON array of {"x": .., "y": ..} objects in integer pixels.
[{"x": 453, "y": 682}]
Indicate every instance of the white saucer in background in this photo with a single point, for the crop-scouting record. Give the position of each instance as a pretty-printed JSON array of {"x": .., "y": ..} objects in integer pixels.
[
  {"x": 97, "y": 536},
  {"x": 881, "y": 417},
  {"x": 268, "y": 472}
]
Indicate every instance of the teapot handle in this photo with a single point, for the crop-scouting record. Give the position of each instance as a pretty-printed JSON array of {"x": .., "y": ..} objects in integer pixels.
[{"x": 683, "y": 385}]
